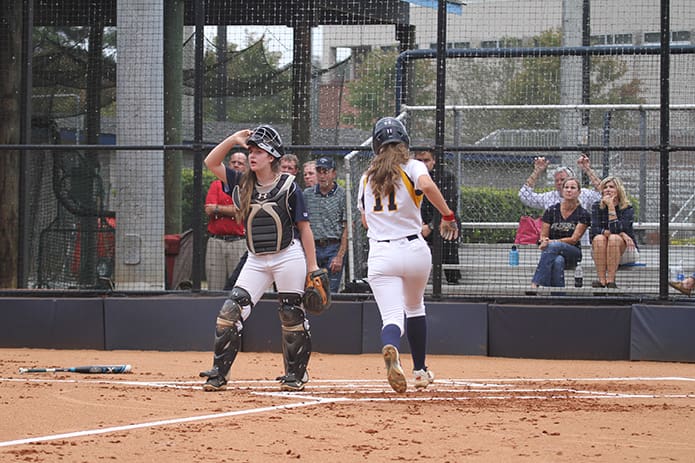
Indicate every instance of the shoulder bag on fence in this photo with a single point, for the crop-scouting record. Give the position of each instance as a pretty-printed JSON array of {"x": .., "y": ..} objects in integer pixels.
[{"x": 529, "y": 231}]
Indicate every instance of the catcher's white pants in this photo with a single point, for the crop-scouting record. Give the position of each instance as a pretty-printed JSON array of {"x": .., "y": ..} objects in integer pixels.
[
  {"x": 287, "y": 268},
  {"x": 398, "y": 272}
]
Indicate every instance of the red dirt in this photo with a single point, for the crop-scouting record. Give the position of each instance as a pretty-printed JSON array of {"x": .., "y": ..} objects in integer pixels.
[{"x": 480, "y": 409}]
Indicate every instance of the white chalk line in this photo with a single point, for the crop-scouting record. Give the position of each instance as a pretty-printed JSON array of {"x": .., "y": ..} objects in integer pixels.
[
  {"x": 478, "y": 389},
  {"x": 151, "y": 424}
]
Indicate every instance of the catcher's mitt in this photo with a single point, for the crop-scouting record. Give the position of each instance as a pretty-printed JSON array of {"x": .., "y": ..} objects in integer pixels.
[{"x": 317, "y": 293}]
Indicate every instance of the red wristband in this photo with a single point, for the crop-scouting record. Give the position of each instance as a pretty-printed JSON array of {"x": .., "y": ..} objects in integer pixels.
[{"x": 449, "y": 218}]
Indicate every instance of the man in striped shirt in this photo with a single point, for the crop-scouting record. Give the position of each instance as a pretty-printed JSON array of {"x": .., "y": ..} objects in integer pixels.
[{"x": 326, "y": 204}]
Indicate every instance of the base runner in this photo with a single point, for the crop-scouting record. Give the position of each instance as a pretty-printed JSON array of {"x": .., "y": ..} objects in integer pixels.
[{"x": 399, "y": 262}]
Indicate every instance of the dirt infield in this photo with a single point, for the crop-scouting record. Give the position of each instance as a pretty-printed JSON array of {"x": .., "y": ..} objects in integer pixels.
[{"x": 479, "y": 409}]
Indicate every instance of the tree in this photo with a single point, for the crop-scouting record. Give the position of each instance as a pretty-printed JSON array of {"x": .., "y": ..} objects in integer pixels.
[
  {"x": 372, "y": 92},
  {"x": 260, "y": 87},
  {"x": 529, "y": 81}
]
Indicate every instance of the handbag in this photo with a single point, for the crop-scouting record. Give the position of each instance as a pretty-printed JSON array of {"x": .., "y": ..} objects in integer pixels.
[{"x": 529, "y": 231}]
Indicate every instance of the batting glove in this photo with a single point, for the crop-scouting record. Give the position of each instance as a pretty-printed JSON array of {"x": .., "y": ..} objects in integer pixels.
[{"x": 449, "y": 227}]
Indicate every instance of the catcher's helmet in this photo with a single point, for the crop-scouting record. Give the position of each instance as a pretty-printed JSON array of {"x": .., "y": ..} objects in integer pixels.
[
  {"x": 267, "y": 138},
  {"x": 388, "y": 130}
]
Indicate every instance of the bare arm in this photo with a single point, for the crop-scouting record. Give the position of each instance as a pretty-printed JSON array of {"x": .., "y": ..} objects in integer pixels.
[
  {"x": 307, "y": 238},
  {"x": 545, "y": 236},
  {"x": 337, "y": 262},
  {"x": 448, "y": 227},
  {"x": 227, "y": 210},
  {"x": 539, "y": 165},
  {"x": 427, "y": 185},
  {"x": 214, "y": 160},
  {"x": 585, "y": 164},
  {"x": 577, "y": 235}
]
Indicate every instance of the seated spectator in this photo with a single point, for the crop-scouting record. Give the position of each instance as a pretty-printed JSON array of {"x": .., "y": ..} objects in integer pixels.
[
  {"x": 529, "y": 197},
  {"x": 563, "y": 226},
  {"x": 685, "y": 286},
  {"x": 612, "y": 237},
  {"x": 309, "y": 173}
]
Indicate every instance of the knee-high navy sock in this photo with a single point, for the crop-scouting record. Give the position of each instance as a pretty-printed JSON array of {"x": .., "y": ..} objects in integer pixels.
[
  {"x": 391, "y": 334},
  {"x": 416, "y": 329}
]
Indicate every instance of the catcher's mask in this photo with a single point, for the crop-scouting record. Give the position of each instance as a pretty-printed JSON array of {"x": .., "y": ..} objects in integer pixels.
[
  {"x": 388, "y": 130},
  {"x": 267, "y": 138}
]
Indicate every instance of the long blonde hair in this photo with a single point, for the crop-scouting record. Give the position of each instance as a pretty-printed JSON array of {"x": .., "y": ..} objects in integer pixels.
[
  {"x": 247, "y": 183},
  {"x": 619, "y": 187},
  {"x": 384, "y": 172}
]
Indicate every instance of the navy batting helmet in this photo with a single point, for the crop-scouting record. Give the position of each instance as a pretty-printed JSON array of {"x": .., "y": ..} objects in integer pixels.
[
  {"x": 388, "y": 130},
  {"x": 267, "y": 138}
]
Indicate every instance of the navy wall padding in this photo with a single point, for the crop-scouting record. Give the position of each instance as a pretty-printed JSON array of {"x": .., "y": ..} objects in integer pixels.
[
  {"x": 65, "y": 323},
  {"x": 573, "y": 332},
  {"x": 453, "y": 328},
  {"x": 161, "y": 323},
  {"x": 664, "y": 333},
  {"x": 262, "y": 328},
  {"x": 371, "y": 329},
  {"x": 457, "y": 328},
  {"x": 640, "y": 332},
  {"x": 338, "y": 330}
]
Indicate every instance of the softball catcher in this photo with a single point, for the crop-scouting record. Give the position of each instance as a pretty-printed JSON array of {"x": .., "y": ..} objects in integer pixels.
[{"x": 272, "y": 207}]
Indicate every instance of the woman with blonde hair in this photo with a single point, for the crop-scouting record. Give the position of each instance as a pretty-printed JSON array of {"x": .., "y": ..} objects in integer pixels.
[
  {"x": 399, "y": 261},
  {"x": 612, "y": 236}
]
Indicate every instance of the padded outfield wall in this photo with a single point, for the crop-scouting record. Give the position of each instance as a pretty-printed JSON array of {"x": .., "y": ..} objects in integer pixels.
[{"x": 582, "y": 331}]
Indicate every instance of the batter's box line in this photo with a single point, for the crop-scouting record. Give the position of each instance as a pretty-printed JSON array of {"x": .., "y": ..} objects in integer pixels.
[{"x": 174, "y": 421}]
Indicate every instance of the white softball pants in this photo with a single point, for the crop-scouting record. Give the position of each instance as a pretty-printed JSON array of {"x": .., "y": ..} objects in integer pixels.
[
  {"x": 287, "y": 268},
  {"x": 398, "y": 271}
]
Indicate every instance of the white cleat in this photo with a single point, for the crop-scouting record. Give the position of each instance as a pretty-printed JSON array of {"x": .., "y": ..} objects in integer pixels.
[
  {"x": 394, "y": 372},
  {"x": 423, "y": 378}
]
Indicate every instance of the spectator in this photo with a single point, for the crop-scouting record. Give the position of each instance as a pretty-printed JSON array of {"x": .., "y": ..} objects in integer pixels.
[
  {"x": 309, "y": 174},
  {"x": 530, "y": 198},
  {"x": 564, "y": 224},
  {"x": 685, "y": 286},
  {"x": 226, "y": 242},
  {"x": 289, "y": 164},
  {"x": 612, "y": 237},
  {"x": 447, "y": 184},
  {"x": 327, "y": 213}
]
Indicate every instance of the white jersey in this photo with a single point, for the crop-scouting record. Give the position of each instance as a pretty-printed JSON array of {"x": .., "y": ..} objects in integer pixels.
[{"x": 398, "y": 215}]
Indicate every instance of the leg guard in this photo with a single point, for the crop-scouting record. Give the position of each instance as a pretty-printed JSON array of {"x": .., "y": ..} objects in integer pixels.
[
  {"x": 227, "y": 339},
  {"x": 296, "y": 341}
]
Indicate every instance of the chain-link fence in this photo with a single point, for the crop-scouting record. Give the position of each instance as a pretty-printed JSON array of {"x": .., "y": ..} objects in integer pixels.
[{"x": 125, "y": 98}]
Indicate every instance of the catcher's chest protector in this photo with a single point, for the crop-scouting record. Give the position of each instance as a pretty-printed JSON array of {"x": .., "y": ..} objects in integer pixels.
[{"x": 269, "y": 226}]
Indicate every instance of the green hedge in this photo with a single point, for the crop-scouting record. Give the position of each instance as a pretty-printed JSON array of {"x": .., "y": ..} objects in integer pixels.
[{"x": 486, "y": 204}]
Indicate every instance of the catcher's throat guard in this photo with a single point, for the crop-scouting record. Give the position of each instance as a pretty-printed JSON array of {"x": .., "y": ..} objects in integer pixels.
[{"x": 317, "y": 292}]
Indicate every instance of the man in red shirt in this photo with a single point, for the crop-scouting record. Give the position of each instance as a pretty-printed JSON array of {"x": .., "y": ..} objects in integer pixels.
[{"x": 226, "y": 242}]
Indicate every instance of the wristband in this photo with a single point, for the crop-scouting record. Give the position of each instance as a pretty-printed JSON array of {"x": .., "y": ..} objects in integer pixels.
[{"x": 449, "y": 218}]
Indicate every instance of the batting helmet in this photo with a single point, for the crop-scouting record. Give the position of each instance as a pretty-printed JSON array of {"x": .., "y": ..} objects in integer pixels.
[
  {"x": 388, "y": 130},
  {"x": 267, "y": 138}
]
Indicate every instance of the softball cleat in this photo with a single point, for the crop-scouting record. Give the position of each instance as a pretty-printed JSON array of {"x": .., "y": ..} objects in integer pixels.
[
  {"x": 394, "y": 371},
  {"x": 423, "y": 378}
]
